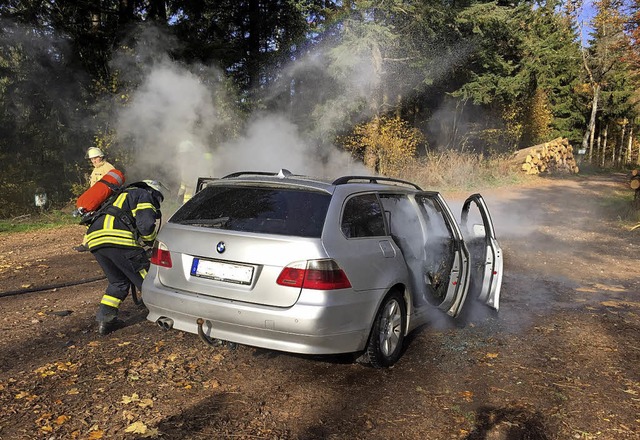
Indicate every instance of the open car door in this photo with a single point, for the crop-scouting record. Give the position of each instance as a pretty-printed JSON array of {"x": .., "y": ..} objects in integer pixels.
[
  {"x": 485, "y": 252},
  {"x": 446, "y": 265}
]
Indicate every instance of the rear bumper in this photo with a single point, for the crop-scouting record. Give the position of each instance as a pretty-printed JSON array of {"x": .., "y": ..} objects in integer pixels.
[{"x": 319, "y": 323}]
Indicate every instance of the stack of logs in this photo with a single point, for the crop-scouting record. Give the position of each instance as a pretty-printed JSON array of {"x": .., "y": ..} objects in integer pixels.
[
  {"x": 634, "y": 183},
  {"x": 552, "y": 156},
  {"x": 634, "y": 180}
]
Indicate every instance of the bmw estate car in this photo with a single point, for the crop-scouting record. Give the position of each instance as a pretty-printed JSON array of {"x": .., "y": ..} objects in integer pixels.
[{"x": 305, "y": 265}]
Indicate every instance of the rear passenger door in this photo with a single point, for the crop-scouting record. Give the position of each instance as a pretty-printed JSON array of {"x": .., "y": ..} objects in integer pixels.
[
  {"x": 446, "y": 265},
  {"x": 485, "y": 252},
  {"x": 367, "y": 253}
]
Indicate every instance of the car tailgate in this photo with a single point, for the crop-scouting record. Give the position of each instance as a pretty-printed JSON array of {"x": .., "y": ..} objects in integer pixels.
[{"x": 237, "y": 266}]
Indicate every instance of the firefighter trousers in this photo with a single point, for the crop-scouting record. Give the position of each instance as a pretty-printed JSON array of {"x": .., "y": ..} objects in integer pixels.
[{"x": 122, "y": 267}]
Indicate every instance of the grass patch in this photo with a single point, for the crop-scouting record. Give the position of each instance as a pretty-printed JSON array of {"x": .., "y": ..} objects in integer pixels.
[
  {"x": 34, "y": 222},
  {"x": 451, "y": 171}
]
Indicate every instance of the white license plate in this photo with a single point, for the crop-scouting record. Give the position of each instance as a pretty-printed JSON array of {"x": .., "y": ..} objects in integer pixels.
[{"x": 218, "y": 270}]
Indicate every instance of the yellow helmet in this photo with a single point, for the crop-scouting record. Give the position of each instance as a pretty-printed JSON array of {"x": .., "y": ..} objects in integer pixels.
[{"x": 94, "y": 152}]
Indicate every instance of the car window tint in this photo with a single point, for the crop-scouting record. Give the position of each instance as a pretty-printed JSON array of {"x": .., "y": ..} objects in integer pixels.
[
  {"x": 362, "y": 217},
  {"x": 256, "y": 209}
]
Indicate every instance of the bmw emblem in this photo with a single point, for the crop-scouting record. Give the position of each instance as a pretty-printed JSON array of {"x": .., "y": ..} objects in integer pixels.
[{"x": 221, "y": 247}]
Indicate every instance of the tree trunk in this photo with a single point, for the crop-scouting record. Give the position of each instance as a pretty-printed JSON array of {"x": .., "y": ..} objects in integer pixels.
[
  {"x": 621, "y": 148},
  {"x": 158, "y": 10},
  {"x": 253, "y": 44},
  {"x": 588, "y": 136},
  {"x": 599, "y": 151},
  {"x": 604, "y": 143},
  {"x": 125, "y": 11},
  {"x": 627, "y": 159}
]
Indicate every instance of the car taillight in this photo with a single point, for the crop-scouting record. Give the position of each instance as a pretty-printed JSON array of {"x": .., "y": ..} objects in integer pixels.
[
  {"x": 160, "y": 255},
  {"x": 314, "y": 274}
]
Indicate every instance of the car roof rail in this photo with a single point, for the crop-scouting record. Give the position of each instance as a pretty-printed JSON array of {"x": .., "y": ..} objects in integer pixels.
[
  {"x": 373, "y": 179},
  {"x": 282, "y": 173}
]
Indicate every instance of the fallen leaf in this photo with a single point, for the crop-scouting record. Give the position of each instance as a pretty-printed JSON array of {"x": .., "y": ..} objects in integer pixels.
[
  {"x": 126, "y": 399},
  {"x": 467, "y": 395},
  {"x": 137, "y": 428},
  {"x": 73, "y": 392},
  {"x": 115, "y": 361},
  {"x": 47, "y": 428},
  {"x": 492, "y": 355},
  {"x": 122, "y": 344},
  {"x": 93, "y": 344},
  {"x": 95, "y": 435},
  {"x": 128, "y": 415},
  {"x": 159, "y": 344},
  {"x": 151, "y": 433},
  {"x": 145, "y": 403},
  {"x": 213, "y": 383},
  {"x": 61, "y": 419}
]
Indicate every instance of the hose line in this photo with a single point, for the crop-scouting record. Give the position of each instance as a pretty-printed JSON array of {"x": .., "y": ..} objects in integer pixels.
[{"x": 51, "y": 286}]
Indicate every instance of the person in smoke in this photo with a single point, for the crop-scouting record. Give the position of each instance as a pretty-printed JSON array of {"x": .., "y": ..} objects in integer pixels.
[
  {"x": 100, "y": 168},
  {"x": 192, "y": 163},
  {"x": 117, "y": 239},
  {"x": 185, "y": 153}
]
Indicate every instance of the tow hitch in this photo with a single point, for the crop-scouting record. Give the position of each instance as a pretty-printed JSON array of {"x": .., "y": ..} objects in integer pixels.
[{"x": 213, "y": 342}]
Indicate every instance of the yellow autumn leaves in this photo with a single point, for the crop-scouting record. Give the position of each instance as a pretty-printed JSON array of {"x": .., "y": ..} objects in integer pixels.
[{"x": 385, "y": 144}]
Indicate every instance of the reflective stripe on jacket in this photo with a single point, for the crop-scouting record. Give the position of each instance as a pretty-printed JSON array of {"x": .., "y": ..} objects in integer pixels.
[{"x": 135, "y": 205}]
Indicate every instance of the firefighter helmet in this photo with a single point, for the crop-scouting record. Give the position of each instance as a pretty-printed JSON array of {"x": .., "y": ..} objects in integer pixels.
[
  {"x": 94, "y": 152},
  {"x": 156, "y": 186}
]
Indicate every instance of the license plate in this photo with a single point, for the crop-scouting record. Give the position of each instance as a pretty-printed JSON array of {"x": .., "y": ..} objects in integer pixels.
[{"x": 222, "y": 271}]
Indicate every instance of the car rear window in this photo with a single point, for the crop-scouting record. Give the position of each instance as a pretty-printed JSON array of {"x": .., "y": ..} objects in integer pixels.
[{"x": 257, "y": 209}]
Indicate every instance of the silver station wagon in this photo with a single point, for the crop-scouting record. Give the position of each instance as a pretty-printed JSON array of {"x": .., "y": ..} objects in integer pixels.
[{"x": 304, "y": 265}]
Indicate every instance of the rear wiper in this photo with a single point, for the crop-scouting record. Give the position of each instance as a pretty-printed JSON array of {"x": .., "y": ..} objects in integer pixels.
[{"x": 207, "y": 222}]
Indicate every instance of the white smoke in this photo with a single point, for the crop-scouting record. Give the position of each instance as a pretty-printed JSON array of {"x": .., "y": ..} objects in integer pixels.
[{"x": 171, "y": 106}]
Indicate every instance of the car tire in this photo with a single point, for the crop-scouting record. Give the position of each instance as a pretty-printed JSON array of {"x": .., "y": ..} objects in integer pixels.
[{"x": 387, "y": 334}]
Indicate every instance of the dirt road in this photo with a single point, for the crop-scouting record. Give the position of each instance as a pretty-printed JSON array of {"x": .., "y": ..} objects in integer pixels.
[{"x": 560, "y": 360}]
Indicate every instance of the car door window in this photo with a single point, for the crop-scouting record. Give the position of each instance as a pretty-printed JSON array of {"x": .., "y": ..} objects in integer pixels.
[{"x": 362, "y": 217}]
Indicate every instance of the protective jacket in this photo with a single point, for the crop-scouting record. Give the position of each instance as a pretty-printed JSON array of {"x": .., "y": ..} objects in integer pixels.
[
  {"x": 99, "y": 171},
  {"x": 129, "y": 219}
]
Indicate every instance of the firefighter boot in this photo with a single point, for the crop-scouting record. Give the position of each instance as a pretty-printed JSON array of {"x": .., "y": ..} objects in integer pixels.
[{"x": 106, "y": 327}]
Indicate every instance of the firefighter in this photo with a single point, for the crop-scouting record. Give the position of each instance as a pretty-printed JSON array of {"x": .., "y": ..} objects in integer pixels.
[
  {"x": 117, "y": 239},
  {"x": 193, "y": 161},
  {"x": 100, "y": 168},
  {"x": 100, "y": 165}
]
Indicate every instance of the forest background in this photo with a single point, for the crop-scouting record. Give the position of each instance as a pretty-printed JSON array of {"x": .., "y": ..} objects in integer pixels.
[{"x": 320, "y": 87}]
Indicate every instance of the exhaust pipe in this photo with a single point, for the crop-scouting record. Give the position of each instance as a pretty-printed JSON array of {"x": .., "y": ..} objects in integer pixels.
[{"x": 165, "y": 323}]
